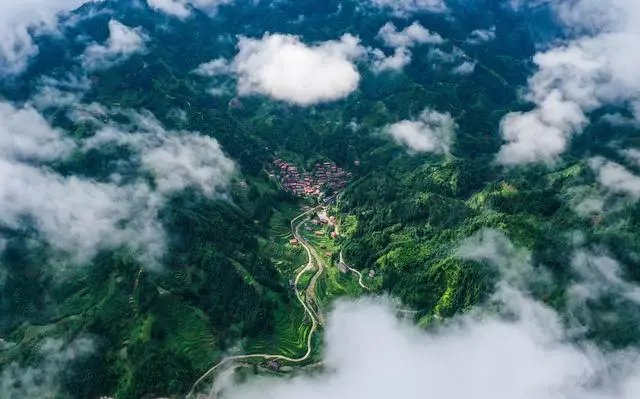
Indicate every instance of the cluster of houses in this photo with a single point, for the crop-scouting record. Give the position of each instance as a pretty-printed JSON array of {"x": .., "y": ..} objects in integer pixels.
[{"x": 324, "y": 176}]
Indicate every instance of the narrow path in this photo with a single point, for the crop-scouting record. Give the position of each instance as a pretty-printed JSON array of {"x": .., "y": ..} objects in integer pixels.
[
  {"x": 398, "y": 310},
  {"x": 309, "y": 311},
  {"x": 356, "y": 272}
]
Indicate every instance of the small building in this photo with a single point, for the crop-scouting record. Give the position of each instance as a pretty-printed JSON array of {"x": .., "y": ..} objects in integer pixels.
[
  {"x": 293, "y": 242},
  {"x": 334, "y": 234},
  {"x": 319, "y": 233},
  {"x": 372, "y": 273},
  {"x": 273, "y": 365},
  {"x": 343, "y": 267},
  {"x": 328, "y": 254}
]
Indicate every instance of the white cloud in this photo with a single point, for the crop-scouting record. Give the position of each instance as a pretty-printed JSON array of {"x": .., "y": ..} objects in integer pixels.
[
  {"x": 527, "y": 357},
  {"x": 219, "y": 66},
  {"x": 122, "y": 43},
  {"x": 43, "y": 379},
  {"x": 598, "y": 275},
  {"x": 540, "y": 135},
  {"x": 26, "y": 135},
  {"x": 466, "y": 68},
  {"x": 403, "y": 8},
  {"x": 177, "y": 160},
  {"x": 581, "y": 75},
  {"x": 454, "y": 59},
  {"x": 79, "y": 216},
  {"x": 400, "y": 58},
  {"x": 63, "y": 92},
  {"x": 431, "y": 132},
  {"x": 401, "y": 41},
  {"x": 182, "y": 8},
  {"x": 18, "y": 20},
  {"x": 479, "y": 36},
  {"x": 516, "y": 347},
  {"x": 589, "y": 206},
  {"x": 284, "y": 68},
  {"x": 189, "y": 160},
  {"x": 616, "y": 177},
  {"x": 495, "y": 248},
  {"x": 409, "y": 36},
  {"x": 632, "y": 155}
]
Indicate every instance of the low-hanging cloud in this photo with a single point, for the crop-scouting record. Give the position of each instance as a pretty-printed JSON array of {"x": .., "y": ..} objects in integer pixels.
[
  {"x": 183, "y": 8},
  {"x": 123, "y": 42},
  {"x": 525, "y": 358},
  {"x": 409, "y": 36},
  {"x": 432, "y": 132},
  {"x": 19, "y": 20},
  {"x": 80, "y": 216},
  {"x": 524, "y": 350},
  {"x": 575, "y": 78},
  {"x": 466, "y": 68},
  {"x": 400, "y": 58},
  {"x": 404, "y": 8},
  {"x": 26, "y": 135},
  {"x": 284, "y": 68},
  {"x": 401, "y": 42},
  {"x": 616, "y": 177},
  {"x": 479, "y": 36},
  {"x": 177, "y": 160},
  {"x": 43, "y": 379}
]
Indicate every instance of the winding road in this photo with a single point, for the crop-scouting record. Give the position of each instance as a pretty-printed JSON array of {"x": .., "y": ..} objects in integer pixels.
[
  {"x": 356, "y": 272},
  {"x": 316, "y": 318}
]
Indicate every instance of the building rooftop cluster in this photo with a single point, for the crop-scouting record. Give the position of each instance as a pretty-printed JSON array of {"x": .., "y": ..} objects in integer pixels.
[{"x": 324, "y": 175}]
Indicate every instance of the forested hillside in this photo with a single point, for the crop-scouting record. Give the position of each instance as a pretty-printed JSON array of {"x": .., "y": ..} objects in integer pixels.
[{"x": 145, "y": 234}]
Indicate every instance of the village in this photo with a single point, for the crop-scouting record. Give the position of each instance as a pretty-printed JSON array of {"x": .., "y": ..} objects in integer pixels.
[{"x": 324, "y": 182}]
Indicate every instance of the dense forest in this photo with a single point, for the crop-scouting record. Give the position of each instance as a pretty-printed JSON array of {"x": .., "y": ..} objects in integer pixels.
[{"x": 223, "y": 280}]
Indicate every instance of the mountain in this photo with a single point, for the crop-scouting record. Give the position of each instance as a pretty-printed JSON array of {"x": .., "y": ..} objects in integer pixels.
[{"x": 184, "y": 182}]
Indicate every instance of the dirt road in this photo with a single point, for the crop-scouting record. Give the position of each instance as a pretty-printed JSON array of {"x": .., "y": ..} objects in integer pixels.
[{"x": 315, "y": 317}]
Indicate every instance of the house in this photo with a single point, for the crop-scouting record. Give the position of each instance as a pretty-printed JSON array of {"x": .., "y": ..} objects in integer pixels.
[
  {"x": 274, "y": 365},
  {"x": 293, "y": 242},
  {"x": 343, "y": 267},
  {"x": 334, "y": 234}
]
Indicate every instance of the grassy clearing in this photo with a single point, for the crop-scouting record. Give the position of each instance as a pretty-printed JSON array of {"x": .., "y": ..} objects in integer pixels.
[{"x": 289, "y": 337}]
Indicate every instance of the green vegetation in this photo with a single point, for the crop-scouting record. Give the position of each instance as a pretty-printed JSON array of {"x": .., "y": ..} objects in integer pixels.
[{"x": 226, "y": 282}]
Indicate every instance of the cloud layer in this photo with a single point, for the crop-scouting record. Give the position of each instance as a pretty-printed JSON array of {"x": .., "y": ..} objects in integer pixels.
[
  {"x": 575, "y": 78},
  {"x": 284, "y": 68},
  {"x": 18, "y": 19},
  {"x": 123, "y": 41},
  {"x": 519, "y": 349},
  {"x": 183, "y": 8},
  {"x": 403, "y": 8},
  {"x": 527, "y": 358},
  {"x": 401, "y": 42},
  {"x": 431, "y": 132},
  {"x": 80, "y": 216},
  {"x": 43, "y": 379}
]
